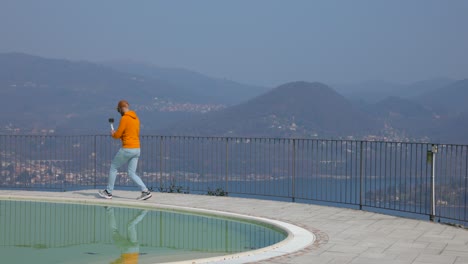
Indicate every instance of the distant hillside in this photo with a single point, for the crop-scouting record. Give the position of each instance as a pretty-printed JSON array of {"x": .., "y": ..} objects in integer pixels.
[
  {"x": 398, "y": 107},
  {"x": 419, "y": 88},
  {"x": 203, "y": 89},
  {"x": 375, "y": 91},
  {"x": 453, "y": 130},
  {"x": 404, "y": 116},
  {"x": 293, "y": 109},
  {"x": 52, "y": 93},
  {"x": 448, "y": 100},
  {"x": 369, "y": 91}
]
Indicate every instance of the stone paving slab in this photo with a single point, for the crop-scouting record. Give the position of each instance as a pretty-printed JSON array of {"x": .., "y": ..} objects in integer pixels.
[{"x": 342, "y": 235}]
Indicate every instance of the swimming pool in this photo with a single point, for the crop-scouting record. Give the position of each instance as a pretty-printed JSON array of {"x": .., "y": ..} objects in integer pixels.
[{"x": 40, "y": 232}]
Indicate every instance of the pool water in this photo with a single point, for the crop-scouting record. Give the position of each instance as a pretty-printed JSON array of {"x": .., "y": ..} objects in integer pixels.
[{"x": 39, "y": 232}]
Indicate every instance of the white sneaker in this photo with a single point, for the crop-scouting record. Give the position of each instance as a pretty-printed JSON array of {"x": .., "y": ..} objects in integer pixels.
[{"x": 105, "y": 194}]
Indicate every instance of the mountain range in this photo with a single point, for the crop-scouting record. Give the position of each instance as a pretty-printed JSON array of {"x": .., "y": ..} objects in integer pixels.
[
  {"x": 294, "y": 109},
  {"x": 68, "y": 95},
  {"x": 200, "y": 88},
  {"x": 375, "y": 91},
  {"x": 78, "y": 97}
]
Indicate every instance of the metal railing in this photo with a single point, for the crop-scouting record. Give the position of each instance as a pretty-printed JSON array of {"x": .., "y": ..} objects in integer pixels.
[{"x": 389, "y": 176}]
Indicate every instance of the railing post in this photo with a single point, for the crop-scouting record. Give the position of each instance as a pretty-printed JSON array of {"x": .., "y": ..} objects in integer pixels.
[
  {"x": 160, "y": 160},
  {"x": 361, "y": 179},
  {"x": 433, "y": 202},
  {"x": 227, "y": 164},
  {"x": 294, "y": 170},
  {"x": 95, "y": 161}
]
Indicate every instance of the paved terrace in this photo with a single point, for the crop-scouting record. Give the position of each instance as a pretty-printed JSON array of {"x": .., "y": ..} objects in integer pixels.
[{"x": 342, "y": 235}]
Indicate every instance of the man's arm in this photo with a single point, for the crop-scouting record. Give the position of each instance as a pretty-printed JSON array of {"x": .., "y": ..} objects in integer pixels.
[{"x": 123, "y": 123}]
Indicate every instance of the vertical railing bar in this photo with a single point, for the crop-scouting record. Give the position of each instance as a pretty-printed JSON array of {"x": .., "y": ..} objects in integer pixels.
[
  {"x": 393, "y": 180},
  {"x": 428, "y": 179},
  {"x": 406, "y": 175},
  {"x": 325, "y": 175},
  {"x": 18, "y": 158},
  {"x": 352, "y": 192},
  {"x": 378, "y": 145},
  {"x": 395, "y": 166},
  {"x": 416, "y": 179},
  {"x": 160, "y": 162},
  {"x": 361, "y": 176},
  {"x": 334, "y": 170},
  {"x": 244, "y": 163},
  {"x": 459, "y": 177},
  {"x": 219, "y": 163},
  {"x": 357, "y": 180},
  {"x": 293, "y": 187},
  {"x": 249, "y": 176},
  {"x": 433, "y": 207},
  {"x": 305, "y": 173},
  {"x": 318, "y": 187},
  {"x": 261, "y": 165},
  {"x": 20, "y": 154},
  {"x": 374, "y": 175},
  {"x": 95, "y": 161},
  {"x": 329, "y": 166},
  {"x": 422, "y": 203},
  {"x": 403, "y": 168},
  {"x": 366, "y": 184},
  {"x": 312, "y": 177},
  {"x": 450, "y": 176},
  {"x": 273, "y": 167},
  {"x": 352, "y": 169},
  {"x": 336, "y": 175},
  {"x": 154, "y": 161},
  {"x": 319, "y": 168},
  {"x": 466, "y": 183},
  {"x": 383, "y": 167},
  {"x": 227, "y": 165},
  {"x": 178, "y": 141},
  {"x": 309, "y": 175},
  {"x": 346, "y": 172},
  {"x": 209, "y": 156},
  {"x": 268, "y": 170},
  {"x": 304, "y": 183},
  {"x": 402, "y": 181},
  {"x": 446, "y": 177},
  {"x": 255, "y": 167},
  {"x": 411, "y": 178},
  {"x": 213, "y": 155}
]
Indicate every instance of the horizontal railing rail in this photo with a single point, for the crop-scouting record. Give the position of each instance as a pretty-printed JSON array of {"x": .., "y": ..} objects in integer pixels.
[{"x": 417, "y": 178}]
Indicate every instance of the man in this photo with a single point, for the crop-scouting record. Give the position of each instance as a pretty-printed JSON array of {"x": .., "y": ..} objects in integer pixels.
[{"x": 129, "y": 132}]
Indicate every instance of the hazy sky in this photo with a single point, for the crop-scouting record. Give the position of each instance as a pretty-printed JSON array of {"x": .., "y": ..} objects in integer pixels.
[{"x": 264, "y": 42}]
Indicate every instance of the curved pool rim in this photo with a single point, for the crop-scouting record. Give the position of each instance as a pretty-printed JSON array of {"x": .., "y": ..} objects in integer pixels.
[{"x": 297, "y": 238}]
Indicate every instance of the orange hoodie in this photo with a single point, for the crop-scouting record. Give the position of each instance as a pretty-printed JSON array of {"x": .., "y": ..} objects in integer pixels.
[{"x": 129, "y": 130}]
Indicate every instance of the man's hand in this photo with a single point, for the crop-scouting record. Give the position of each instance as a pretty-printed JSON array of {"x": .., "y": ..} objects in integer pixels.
[{"x": 112, "y": 132}]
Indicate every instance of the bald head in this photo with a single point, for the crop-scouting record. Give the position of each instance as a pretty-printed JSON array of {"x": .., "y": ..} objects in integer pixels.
[{"x": 122, "y": 107}]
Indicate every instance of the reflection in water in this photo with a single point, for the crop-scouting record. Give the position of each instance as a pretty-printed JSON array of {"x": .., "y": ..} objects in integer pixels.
[
  {"x": 40, "y": 232},
  {"x": 128, "y": 245}
]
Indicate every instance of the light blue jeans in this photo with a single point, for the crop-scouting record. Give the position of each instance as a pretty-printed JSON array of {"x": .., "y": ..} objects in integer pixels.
[{"x": 123, "y": 156}]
